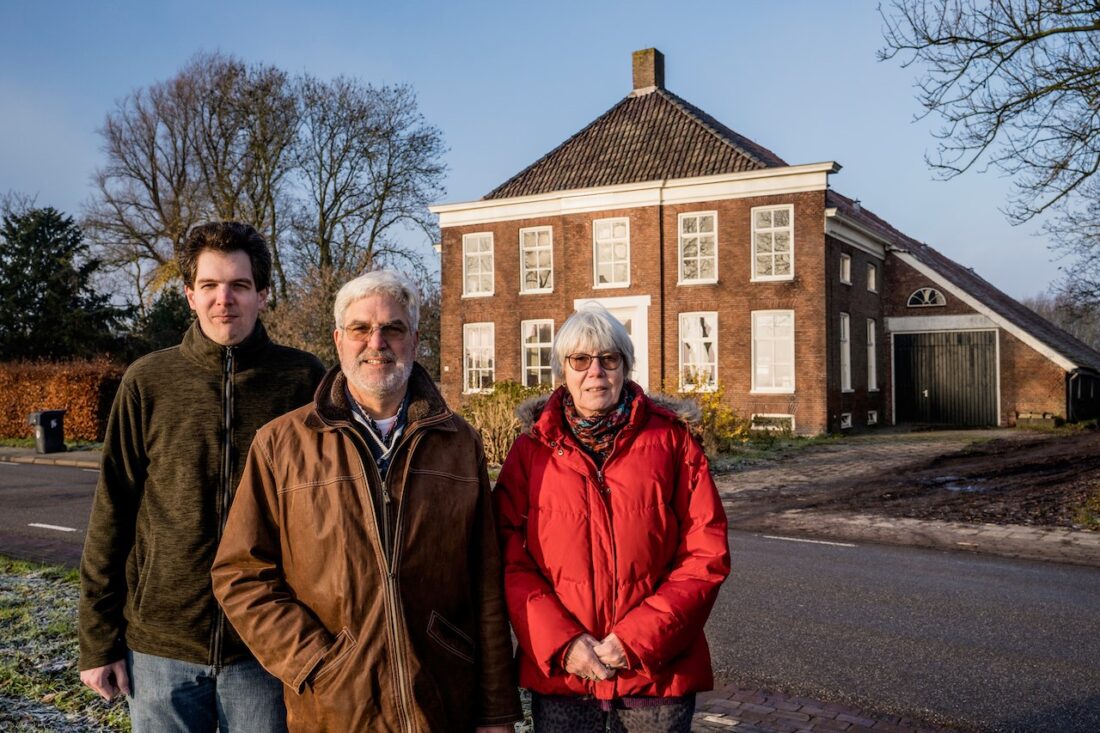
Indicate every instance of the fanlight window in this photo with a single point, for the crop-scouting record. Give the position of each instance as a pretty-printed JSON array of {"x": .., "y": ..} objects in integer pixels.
[{"x": 926, "y": 298}]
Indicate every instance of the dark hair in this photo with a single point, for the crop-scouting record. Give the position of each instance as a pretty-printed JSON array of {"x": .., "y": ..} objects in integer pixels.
[{"x": 226, "y": 236}]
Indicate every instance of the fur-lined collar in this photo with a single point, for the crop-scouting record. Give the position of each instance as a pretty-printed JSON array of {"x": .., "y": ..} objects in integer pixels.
[{"x": 684, "y": 409}]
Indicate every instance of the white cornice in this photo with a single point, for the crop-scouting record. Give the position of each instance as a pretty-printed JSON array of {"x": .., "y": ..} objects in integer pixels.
[
  {"x": 765, "y": 182},
  {"x": 985, "y": 310},
  {"x": 851, "y": 232},
  {"x": 925, "y": 324}
]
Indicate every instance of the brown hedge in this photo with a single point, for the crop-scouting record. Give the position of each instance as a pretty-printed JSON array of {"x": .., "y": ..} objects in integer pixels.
[{"x": 83, "y": 389}]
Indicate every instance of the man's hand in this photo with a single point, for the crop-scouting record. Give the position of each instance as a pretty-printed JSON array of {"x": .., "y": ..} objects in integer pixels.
[
  {"x": 495, "y": 729},
  {"x": 611, "y": 652},
  {"x": 108, "y": 680},
  {"x": 582, "y": 660}
]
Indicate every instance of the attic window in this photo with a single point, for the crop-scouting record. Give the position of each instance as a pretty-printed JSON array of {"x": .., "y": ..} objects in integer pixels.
[{"x": 926, "y": 298}]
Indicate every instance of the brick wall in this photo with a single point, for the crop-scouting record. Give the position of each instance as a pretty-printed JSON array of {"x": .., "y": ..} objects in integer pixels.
[{"x": 653, "y": 229}]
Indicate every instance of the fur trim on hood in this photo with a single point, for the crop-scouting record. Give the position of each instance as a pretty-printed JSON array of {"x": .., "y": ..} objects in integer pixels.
[{"x": 685, "y": 409}]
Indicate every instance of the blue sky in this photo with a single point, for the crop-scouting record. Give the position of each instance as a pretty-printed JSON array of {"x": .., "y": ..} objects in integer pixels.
[{"x": 508, "y": 81}]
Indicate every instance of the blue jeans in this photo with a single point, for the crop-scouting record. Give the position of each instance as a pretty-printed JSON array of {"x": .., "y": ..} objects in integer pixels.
[{"x": 170, "y": 695}]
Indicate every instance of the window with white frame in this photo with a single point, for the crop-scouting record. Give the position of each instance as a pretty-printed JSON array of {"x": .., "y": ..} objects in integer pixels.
[
  {"x": 536, "y": 258},
  {"x": 872, "y": 355},
  {"x": 845, "y": 353},
  {"x": 538, "y": 337},
  {"x": 698, "y": 351},
  {"x": 773, "y": 351},
  {"x": 845, "y": 269},
  {"x": 778, "y": 423},
  {"x": 872, "y": 277},
  {"x": 773, "y": 243},
  {"x": 698, "y": 247},
  {"x": 478, "y": 360},
  {"x": 926, "y": 298},
  {"x": 477, "y": 264},
  {"x": 611, "y": 252}
]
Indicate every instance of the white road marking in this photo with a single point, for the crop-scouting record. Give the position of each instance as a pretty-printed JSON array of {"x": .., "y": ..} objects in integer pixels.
[
  {"x": 90, "y": 470},
  {"x": 52, "y": 526},
  {"x": 811, "y": 542}
]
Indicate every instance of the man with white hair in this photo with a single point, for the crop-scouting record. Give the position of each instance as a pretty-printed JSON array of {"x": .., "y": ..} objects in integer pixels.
[{"x": 360, "y": 562}]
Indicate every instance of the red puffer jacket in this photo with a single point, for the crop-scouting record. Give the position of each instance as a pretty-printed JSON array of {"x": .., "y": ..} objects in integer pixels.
[{"x": 638, "y": 548}]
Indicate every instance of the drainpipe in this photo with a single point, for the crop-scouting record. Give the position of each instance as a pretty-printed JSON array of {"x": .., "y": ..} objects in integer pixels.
[{"x": 664, "y": 291}]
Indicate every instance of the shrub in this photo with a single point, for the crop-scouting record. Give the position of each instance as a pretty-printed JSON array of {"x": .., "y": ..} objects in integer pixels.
[
  {"x": 720, "y": 429},
  {"x": 83, "y": 389},
  {"x": 494, "y": 415}
]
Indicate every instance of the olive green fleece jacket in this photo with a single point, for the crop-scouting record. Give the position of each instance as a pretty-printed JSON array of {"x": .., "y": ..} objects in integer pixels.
[{"x": 170, "y": 465}]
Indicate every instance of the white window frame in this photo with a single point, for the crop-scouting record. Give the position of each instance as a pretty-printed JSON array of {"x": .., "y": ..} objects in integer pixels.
[
  {"x": 845, "y": 336},
  {"x": 681, "y": 280},
  {"x": 523, "y": 270},
  {"x": 752, "y": 239},
  {"x": 872, "y": 277},
  {"x": 845, "y": 421},
  {"x": 872, "y": 355},
  {"x": 927, "y": 297},
  {"x": 771, "y": 428},
  {"x": 467, "y": 330},
  {"x": 686, "y": 386},
  {"x": 845, "y": 268},
  {"x": 524, "y": 346},
  {"x": 596, "y": 284},
  {"x": 758, "y": 389},
  {"x": 465, "y": 266},
  {"x": 872, "y": 417}
]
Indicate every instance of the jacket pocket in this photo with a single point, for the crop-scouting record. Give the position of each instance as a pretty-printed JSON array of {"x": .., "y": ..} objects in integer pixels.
[
  {"x": 342, "y": 646},
  {"x": 451, "y": 638}
]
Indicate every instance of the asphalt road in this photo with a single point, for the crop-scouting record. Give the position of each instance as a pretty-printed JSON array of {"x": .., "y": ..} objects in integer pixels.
[
  {"x": 994, "y": 643},
  {"x": 55, "y": 496}
]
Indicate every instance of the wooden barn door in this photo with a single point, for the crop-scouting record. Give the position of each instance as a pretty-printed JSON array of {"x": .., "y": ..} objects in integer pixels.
[{"x": 947, "y": 378}]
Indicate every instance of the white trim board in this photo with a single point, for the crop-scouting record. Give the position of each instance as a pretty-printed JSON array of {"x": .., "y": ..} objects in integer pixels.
[
  {"x": 925, "y": 324},
  {"x": 847, "y": 231},
  {"x": 764, "y": 182},
  {"x": 985, "y": 310}
]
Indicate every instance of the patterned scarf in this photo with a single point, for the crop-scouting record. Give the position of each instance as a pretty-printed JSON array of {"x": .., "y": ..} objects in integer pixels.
[{"x": 596, "y": 434}]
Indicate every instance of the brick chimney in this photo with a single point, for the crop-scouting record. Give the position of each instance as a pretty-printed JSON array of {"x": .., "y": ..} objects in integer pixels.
[{"x": 649, "y": 70}]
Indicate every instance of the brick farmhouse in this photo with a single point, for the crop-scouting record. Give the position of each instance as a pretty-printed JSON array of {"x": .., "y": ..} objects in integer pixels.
[{"x": 732, "y": 268}]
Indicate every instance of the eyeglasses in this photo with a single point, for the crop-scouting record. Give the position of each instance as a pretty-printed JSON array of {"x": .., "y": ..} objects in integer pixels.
[
  {"x": 609, "y": 360},
  {"x": 391, "y": 332}
]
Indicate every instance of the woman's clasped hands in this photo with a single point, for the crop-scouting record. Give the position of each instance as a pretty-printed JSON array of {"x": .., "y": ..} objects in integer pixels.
[{"x": 592, "y": 659}]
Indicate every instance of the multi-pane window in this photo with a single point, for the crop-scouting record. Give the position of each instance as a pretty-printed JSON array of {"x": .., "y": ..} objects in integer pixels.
[
  {"x": 538, "y": 337},
  {"x": 478, "y": 360},
  {"x": 698, "y": 248},
  {"x": 611, "y": 252},
  {"x": 872, "y": 355},
  {"x": 773, "y": 351},
  {"x": 926, "y": 298},
  {"x": 772, "y": 243},
  {"x": 698, "y": 351},
  {"x": 536, "y": 260},
  {"x": 845, "y": 353},
  {"x": 872, "y": 277},
  {"x": 845, "y": 269},
  {"x": 477, "y": 264}
]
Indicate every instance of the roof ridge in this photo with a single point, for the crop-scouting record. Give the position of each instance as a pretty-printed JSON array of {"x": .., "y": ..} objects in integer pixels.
[{"x": 719, "y": 130}]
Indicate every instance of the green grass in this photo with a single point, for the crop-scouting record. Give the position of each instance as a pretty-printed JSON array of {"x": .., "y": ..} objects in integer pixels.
[
  {"x": 1088, "y": 514},
  {"x": 38, "y": 652}
]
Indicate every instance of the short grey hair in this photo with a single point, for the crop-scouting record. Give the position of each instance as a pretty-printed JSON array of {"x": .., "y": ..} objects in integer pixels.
[
  {"x": 591, "y": 327},
  {"x": 379, "y": 282}
]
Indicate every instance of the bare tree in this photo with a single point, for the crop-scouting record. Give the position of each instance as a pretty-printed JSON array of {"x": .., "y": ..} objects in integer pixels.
[
  {"x": 210, "y": 143},
  {"x": 1017, "y": 84},
  {"x": 369, "y": 164},
  {"x": 1066, "y": 312}
]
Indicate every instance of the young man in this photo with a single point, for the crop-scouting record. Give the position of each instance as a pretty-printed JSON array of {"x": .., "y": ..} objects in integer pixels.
[
  {"x": 360, "y": 562},
  {"x": 179, "y": 429}
]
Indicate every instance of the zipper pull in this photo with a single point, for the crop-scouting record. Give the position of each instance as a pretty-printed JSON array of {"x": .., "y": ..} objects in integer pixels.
[{"x": 385, "y": 494}]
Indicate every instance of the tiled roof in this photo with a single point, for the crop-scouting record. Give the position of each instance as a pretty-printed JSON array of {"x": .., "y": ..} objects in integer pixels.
[
  {"x": 1069, "y": 346},
  {"x": 646, "y": 137}
]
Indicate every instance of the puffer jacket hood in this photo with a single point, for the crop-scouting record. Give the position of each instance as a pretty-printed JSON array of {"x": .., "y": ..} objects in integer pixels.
[{"x": 686, "y": 410}]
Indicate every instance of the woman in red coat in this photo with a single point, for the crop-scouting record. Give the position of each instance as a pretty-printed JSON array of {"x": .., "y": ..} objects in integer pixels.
[{"x": 614, "y": 544}]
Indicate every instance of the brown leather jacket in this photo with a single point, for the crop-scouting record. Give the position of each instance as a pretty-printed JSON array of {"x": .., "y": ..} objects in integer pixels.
[{"x": 361, "y": 643}]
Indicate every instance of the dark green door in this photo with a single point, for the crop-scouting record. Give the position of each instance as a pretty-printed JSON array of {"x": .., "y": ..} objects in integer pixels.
[{"x": 946, "y": 378}]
